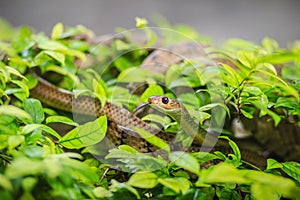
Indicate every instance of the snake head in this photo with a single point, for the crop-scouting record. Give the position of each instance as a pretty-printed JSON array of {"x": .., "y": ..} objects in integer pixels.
[{"x": 165, "y": 104}]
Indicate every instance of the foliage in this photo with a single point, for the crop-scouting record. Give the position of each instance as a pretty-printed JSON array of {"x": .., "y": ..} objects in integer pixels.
[{"x": 39, "y": 162}]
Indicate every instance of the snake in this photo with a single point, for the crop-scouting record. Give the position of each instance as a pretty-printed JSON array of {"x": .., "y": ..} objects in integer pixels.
[{"x": 158, "y": 61}]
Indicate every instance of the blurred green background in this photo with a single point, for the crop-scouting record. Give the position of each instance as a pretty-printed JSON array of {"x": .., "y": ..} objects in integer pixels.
[{"x": 250, "y": 20}]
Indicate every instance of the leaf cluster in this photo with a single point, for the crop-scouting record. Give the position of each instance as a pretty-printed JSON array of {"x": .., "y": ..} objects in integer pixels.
[{"x": 37, "y": 161}]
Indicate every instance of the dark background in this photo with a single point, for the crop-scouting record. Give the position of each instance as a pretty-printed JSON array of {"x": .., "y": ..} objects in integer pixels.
[{"x": 220, "y": 19}]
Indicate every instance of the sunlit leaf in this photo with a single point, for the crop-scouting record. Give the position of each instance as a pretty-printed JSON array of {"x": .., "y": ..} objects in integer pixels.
[
  {"x": 177, "y": 184},
  {"x": 134, "y": 74},
  {"x": 143, "y": 179},
  {"x": 15, "y": 111},
  {"x": 32, "y": 127},
  {"x": 57, "y": 56},
  {"x": 85, "y": 135},
  {"x": 153, "y": 139},
  {"x": 57, "y": 31},
  {"x": 51, "y": 45},
  {"x": 61, "y": 119},
  {"x": 101, "y": 192},
  {"x": 5, "y": 183},
  {"x": 141, "y": 22},
  {"x": 152, "y": 90},
  {"x": 247, "y": 58},
  {"x": 15, "y": 140},
  {"x": 186, "y": 161},
  {"x": 29, "y": 167}
]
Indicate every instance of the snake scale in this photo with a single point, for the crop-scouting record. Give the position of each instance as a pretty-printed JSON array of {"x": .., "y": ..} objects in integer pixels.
[{"x": 158, "y": 61}]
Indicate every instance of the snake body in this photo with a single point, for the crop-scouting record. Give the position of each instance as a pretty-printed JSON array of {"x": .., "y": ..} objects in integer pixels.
[
  {"x": 159, "y": 61},
  {"x": 64, "y": 100}
]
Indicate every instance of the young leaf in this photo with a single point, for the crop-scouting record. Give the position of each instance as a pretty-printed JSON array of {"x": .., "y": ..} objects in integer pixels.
[
  {"x": 57, "y": 31},
  {"x": 233, "y": 146},
  {"x": 61, "y": 119}
]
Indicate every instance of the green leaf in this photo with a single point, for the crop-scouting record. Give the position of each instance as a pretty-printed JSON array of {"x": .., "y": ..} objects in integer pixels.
[
  {"x": 247, "y": 58},
  {"x": 292, "y": 169},
  {"x": 183, "y": 81},
  {"x": 253, "y": 90},
  {"x": 57, "y": 56},
  {"x": 270, "y": 44},
  {"x": 213, "y": 105},
  {"x": 164, "y": 121},
  {"x": 21, "y": 93},
  {"x": 278, "y": 58},
  {"x": 14, "y": 141},
  {"x": 273, "y": 164},
  {"x": 73, "y": 53},
  {"x": 134, "y": 74},
  {"x": 33, "y": 151},
  {"x": 57, "y": 31},
  {"x": 16, "y": 112},
  {"x": 32, "y": 127},
  {"x": 100, "y": 90},
  {"x": 236, "y": 77},
  {"x": 152, "y": 90},
  {"x": 5, "y": 183},
  {"x": 15, "y": 72},
  {"x": 121, "y": 46},
  {"x": 115, "y": 185},
  {"x": 223, "y": 173},
  {"x": 127, "y": 148},
  {"x": 41, "y": 58},
  {"x": 29, "y": 183},
  {"x": 283, "y": 186},
  {"x": 143, "y": 179},
  {"x": 172, "y": 74},
  {"x": 186, "y": 161},
  {"x": 61, "y": 71},
  {"x": 156, "y": 141},
  {"x": 141, "y": 22},
  {"x": 177, "y": 184},
  {"x": 261, "y": 192},
  {"x": 35, "y": 109},
  {"x": 51, "y": 45},
  {"x": 8, "y": 49},
  {"x": 234, "y": 147},
  {"x": 227, "y": 193},
  {"x": 79, "y": 170},
  {"x": 85, "y": 135},
  {"x": 61, "y": 119},
  {"x": 247, "y": 114},
  {"x": 101, "y": 192},
  {"x": 24, "y": 167}
]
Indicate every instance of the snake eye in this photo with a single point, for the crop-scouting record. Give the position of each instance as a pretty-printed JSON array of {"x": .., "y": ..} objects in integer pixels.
[{"x": 165, "y": 100}]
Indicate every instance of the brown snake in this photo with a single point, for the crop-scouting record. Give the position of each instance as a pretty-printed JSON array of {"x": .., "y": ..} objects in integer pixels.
[{"x": 158, "y": 61}]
